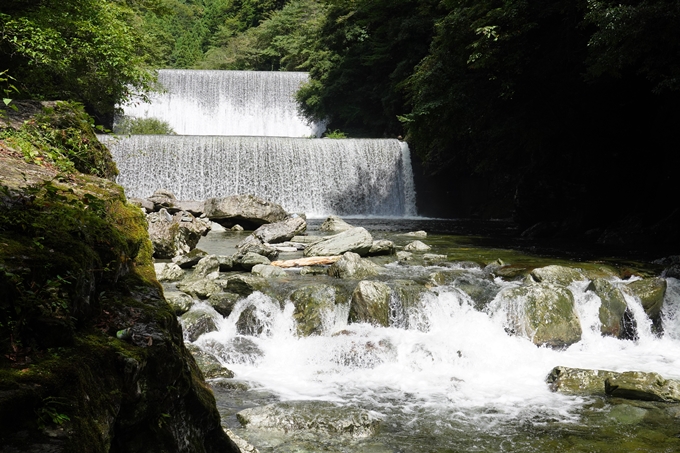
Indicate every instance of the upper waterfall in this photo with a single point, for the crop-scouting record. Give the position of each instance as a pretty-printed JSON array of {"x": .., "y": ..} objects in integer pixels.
[
  {"x": 257, "y": 103},
  {"x": 315, "y": 176}
]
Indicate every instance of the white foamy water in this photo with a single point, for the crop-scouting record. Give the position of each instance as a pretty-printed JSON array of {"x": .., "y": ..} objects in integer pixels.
[
  {"x": 453, "y": 358},
  {"x": 228, "y": 103},
  {"x": 315, "y": 176}
]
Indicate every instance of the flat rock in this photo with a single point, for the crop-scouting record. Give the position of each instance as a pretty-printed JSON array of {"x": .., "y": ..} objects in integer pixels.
[
  {"x": 245, "y": 210},
  {"x": 356, "y": 240}
]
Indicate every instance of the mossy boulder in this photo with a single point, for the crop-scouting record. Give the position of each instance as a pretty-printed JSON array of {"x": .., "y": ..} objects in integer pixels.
[
  {"x": 651, "y": 292},
  {"x": 578, "y": 381},
  {"x": 561, "y": 275},
  {"x": 544, "y": 313},
  {"x": 613, "y": 307},
  {"x": 351, "y": 265},
  {"x": 314, "y": 305},
  {"x": 75, "y": 269},
  {"x": 371, "y": 303}
]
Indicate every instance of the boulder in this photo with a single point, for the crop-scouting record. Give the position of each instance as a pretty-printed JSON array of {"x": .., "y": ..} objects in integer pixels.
[
  {"x": 250, "y": 260},
  {"x": 190, "y": 259},
  {"x": 170, "y": 272},
  {"x": 179, "y": 302},
  {"x": 285, "y": 230},
  {"x": 351, "y": 265},
  {"x": 612, "y": 309},
  {"x": 245, "y": 284},
  {"x": 578, "y": 381},
  {"x": 208, "y": 364},
  {"x": 248, "y": 211},
  {"x": 417, "y": 234},
  {"x": 544, "y": 313},
  {"x": 356, "y": 240},
  {"x": 371, "y": 303},
  {"x": 381, "y": 247},
  {"x": 223, "y": 302},
  {"x": 416, "y": 246},
  {"x": 143, "y": 203},
  {"x": 207, "y": 265},
  {"x": 163, "y": 199},
  {"x": 404, "y": 256},
  {"x": 201, "y": 288},
  {"x": 313, "y": 305},
  {"x": 197, "y": 208},
  {"x": 311, "y": 416},
  {"x": 638, "y": 385},
  {"x": 334, "y": 224},
  {"x": 198, "y": 320},
  {"x": 558, "y": 274},
  {"x": 268, "y": 271},
  {"x": 651, "y": 292},
  {"x": 227, "y": 263},
  {"x": 253, "y": 244},
  {"x": 433, "y": 258},
  {"x": 177, "y": 234}
]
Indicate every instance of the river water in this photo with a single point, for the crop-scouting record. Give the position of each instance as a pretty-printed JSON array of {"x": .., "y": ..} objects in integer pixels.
[{"x": 446, "y": 376}]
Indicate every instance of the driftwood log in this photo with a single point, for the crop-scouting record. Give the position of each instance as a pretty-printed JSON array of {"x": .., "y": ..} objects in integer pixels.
[{"x": 311, "y": 261}]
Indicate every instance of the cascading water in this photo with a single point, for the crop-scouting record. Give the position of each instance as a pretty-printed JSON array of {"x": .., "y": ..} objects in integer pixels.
[
  {"x": 228, "y": 103},
  {"x": 314, "y": 176},
  {"x": 446, "y": 375}
]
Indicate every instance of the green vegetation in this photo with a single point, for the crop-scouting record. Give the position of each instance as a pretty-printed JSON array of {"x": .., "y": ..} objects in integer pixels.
[{"x": 142, "y": 126}]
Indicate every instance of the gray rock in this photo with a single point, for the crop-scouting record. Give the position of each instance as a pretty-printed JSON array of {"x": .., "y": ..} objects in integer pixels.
[
  {"x": 143, "y": 203},
  {"x": 334, "y": 224},
  {"x": 417, "y": 246},
  {"x": 435, "y": 258},
  {"x": 250, "y": 260},
  {"x": 404, "y": 256},
  {"x": 177, "y": 234},
  {"x": 200, "y": 288},
  {"x": 371, "y": 303},
  {"x": 418, "y": 234},
  {"x": 382, "y": 247},
  {"x": 198, "y": 321},
  {"x": 245, "y": 210},
  {"x": 206, "y": 266},
  {"x": 285, "y": 230},
  {"x": 638, "y": 385},
  {"x": 223, "y": 302},
  {"x": 351, "y": 265},
  {"x": 195, "y": 207},
  {"x": 253, "y": 244},
  {"x": 311, "y": 416},
  {"x": 170, "y": 272},
  {"x": 307, "y": 239},
  {"x": 245, "y": 284},
  {"x": 227, "y": 263},
  {"x": 544, "y": 313},
  {"x": 179, "y": 302},
  {"x": 356, "y": 240},
  {"x": 268, "y": 271},
  {"x": 558, "y": 274},
  {"x": 208, "y": 364},
  {"x": 163, "y": 199},
  {"x": 190, "y": 259},
  {"x": 578, "y": 381},
  {"x": 237, "y": 227}
]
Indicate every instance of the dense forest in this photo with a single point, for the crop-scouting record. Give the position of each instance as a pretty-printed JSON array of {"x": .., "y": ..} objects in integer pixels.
[{"x": 561, "y": 113}]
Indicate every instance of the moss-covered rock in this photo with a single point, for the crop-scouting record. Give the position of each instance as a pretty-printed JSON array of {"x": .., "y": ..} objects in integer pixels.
[
  {"x": 612, "y": 308},
  {"x": 92, "y": 356},
  {"x": 313, "y": 306},
  {"x": 651, "y": 292},
  {"x": 371, "y": 303}
]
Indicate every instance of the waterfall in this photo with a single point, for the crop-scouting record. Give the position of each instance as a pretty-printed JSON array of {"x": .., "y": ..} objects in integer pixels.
[
  {"x": 314, "y": 176},
  {"x": 257, "y": 103}
]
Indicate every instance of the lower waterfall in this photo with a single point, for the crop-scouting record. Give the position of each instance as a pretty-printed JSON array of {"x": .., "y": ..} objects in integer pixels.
[{"x": 365, "y": 177}]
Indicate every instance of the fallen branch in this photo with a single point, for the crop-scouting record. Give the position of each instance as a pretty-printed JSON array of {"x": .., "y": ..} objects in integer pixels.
[{"x": 311, "y": 261}]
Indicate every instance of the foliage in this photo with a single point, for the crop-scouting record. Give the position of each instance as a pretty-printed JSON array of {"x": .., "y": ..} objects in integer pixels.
[
  {"x": 142, "y": 126},
  {"x": 7, "y": 87},
  {"x": 335, "y": 134},
  {"x": 282, "y": 41},
  {"x": 63, "y": 135},
  {"x": 84, "y": 50}
]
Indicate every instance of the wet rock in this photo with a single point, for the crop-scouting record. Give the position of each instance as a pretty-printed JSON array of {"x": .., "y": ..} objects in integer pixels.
[
  {"x": 227, "y": 263},
  {"x": 315, "y": 416},
  {"x": 245, "y": 284},
  {"x": 255, "y": 245},
  {"x": 223, "y": 302},
  {"x": 200, "y": 319},
  {"x": 612, "y": 308},
  {"x": 417, "y": 246},
  {"x": 177, "y": 234},
  {"x": 356, "y": 240},
  {"x": 313, "y": 306},
  {"x": 200, "y": 288},
  {"x": 208, "y": 364},
  {"x": 170, "y": 272},
  {"x": 245, "y": 210},
  {"x": 371, "y": 303},
  {"x": 241, "y": 443},
  {"x": 638, "y": 385},
  {"x": 651, "y": 292},
  {"x": 206, "y": 266},
  {"x": 382, "y": 247},
  {"x": 578, "y": 381},
  {"x": 351, "y": 265},
  {"x": 558, "y": 274},
  {"x": 268, "y": 271},
  {"x": 282, "y": 231},
  {"x": 335, "y": 224},
  {"x": 237, "y": 227},
  {"x": 190, "y": 259},
  {"x": 404, "y": 256},
  {"x": 417, "y": 234},
  {"x": 179, "y": 302},
  {"x": 433, "y": 258},
  {"x": 544, "y": 313},
  {"x": 407, "y": 296},
  {"x": 235, "y": 350},
  {"x": 250, "y": 260}
]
